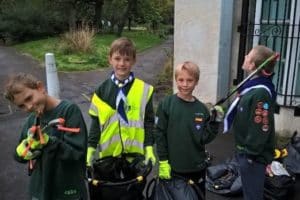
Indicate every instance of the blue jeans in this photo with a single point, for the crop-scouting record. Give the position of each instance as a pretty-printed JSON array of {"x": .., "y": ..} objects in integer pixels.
[{"x": 253, "y": 177}]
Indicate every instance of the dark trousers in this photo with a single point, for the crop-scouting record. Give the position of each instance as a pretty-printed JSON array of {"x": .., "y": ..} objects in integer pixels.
[
  {"x": 197, "y": 177},
  {"x": 253, "y": 177}
]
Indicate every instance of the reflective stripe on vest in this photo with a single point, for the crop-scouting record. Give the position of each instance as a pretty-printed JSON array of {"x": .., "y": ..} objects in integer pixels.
[{"x": 133, "y": 133}]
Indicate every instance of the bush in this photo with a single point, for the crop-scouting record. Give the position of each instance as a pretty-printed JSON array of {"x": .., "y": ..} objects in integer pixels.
[
  {"x": 78, "y": 40},
  {"x": 26, "y": 20}
]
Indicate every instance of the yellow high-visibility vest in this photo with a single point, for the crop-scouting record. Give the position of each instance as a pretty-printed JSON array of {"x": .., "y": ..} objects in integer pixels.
[{"x": 133, "y": 133}]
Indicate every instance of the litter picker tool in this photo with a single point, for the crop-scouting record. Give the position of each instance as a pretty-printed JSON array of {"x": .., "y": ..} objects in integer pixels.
[
  {"x": 260, "y": 67},
  {"x": 59, "y": 125}
]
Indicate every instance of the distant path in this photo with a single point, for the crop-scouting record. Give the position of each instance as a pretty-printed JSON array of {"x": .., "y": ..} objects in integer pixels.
[{"x": 149, "y": 64}]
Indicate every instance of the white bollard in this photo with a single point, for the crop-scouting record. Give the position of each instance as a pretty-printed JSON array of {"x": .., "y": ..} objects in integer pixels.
[{"x": 51, "y": 76}]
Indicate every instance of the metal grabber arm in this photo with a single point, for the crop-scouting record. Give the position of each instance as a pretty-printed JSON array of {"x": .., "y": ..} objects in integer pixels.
[{"x": 259, "y": 68}]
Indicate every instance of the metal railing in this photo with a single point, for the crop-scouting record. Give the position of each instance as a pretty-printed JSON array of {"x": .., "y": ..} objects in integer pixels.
[{"x": 275, "y": 24}]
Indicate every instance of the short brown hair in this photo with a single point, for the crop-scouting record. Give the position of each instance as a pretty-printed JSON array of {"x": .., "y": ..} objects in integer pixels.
[
  {"x": 190, "y": 67},
  {"x": 262, "y": 53},
  {"x": 15, "y": 83},
  {"x": 123, "y": 46}
]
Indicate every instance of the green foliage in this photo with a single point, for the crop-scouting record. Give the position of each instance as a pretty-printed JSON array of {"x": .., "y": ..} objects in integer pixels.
[
  {"x": 24, "y": 20},
  {"x": 80, "y": 61},
  {"x": 150, "y": 13},
  {"x": 165, "y": 79},
  {"x": 147, "y": 12},
  {"x": 166, "y": 10}
]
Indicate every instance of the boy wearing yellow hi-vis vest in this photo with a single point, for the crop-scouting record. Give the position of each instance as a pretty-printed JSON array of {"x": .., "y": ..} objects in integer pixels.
[{"x": 122, "y": 112}]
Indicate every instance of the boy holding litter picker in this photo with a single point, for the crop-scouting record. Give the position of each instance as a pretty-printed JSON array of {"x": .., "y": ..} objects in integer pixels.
[
  {"x": 183, "y": 126},
  {"x": 251, "y": 119},
  {"x": 53, "y": 141}
]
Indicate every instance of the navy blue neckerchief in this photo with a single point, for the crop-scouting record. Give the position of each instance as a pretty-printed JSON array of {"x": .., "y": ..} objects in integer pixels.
[
  {"x": 261, "y": 80},
  {"x": 121, "y": 101}
]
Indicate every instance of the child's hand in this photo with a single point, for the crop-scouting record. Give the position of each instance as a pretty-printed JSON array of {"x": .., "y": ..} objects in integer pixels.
[
  {"x": 164, "y": 171},
  {"x": 149, "y": 155},
  {"x": 36, "y": 143},
  {"x": 217, "y": 113},
  {"x": 36, "y": 138},
  {"x": 90, "y": 154},
  {"x": 26, "y": 153}
]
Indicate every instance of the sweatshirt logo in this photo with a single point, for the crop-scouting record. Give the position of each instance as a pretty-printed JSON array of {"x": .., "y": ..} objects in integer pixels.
[
  {"x": 70, "y": 192},
  {"x": 198, "y": 120}
]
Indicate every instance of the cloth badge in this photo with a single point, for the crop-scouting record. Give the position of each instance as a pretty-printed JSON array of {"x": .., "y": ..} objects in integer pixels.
[
  {"x": 265, "y": 128},
  {"x": 265, "y": 113},
  {"x": 198, "y": 119},
  {"x": 257, "y": 119},
  {"x": 258, "y": 111},
  {"x": 259, "y": 104},
  {"x": 198, "y": 126},
  {"x": 261, "y": 113},
  {"x": 265, "y": 120},
  {"x": 266, "y": 106}
]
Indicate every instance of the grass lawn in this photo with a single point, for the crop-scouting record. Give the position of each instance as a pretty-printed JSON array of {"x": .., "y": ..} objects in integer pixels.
[{"x": 95, "y": 59}]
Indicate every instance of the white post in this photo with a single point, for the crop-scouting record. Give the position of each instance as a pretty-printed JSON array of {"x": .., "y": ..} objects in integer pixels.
[{"x": 51, "y": 75}]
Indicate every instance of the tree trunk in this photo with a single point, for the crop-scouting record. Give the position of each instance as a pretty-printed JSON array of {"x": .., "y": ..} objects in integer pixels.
[
  {"x": 129, "y": 23},
  {"x": 98, "y": 14},
  {"x": 122, "y": 21}
]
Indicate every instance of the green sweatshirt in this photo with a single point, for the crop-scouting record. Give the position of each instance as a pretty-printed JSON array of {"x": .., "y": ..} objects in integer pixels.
[
  {"x": 108, "y": 91},
  {"x": 182, "y": 130},
  {"x": 253, "y": 125},
  {"x": 59, "y": 172}
]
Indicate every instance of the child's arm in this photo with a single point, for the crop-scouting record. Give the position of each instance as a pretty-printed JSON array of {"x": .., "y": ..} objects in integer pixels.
[
  {"x": 260, "y": 123},
  {"x": 161, "y": 125},
  {"x": 210, "y": 130},
  {"x": 94, "y": 132},
  {"x": 93, "y": 139},
  {"x": 149, "y": 123},
  {"x": 72, "y": 146}
]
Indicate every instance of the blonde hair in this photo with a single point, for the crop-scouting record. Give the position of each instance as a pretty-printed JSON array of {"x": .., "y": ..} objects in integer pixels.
[
  {"x": 190, "y": 67},
  {"x": 262, "y": 53},
  {"x": 15, "y": 84},
  {"x": 123, "y": 46}
]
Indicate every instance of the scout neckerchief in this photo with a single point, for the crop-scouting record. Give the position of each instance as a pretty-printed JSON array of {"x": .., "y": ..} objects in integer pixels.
[
  {"x": 259, "y": 82},
  {"x": 121, "y": 101}
]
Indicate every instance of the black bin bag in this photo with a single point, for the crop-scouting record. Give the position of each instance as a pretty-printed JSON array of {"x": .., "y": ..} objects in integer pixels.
[
  {"x": 117, "y": 179},
  {"x": 224, "y": 179},
  {"x": 176, "y": 189},
  {"x": 292, "y": 161}
]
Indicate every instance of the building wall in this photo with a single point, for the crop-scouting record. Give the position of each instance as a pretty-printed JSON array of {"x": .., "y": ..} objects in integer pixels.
[
  {"x": 286, "y": 122},
  {"x": 196, "y": 36}
]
